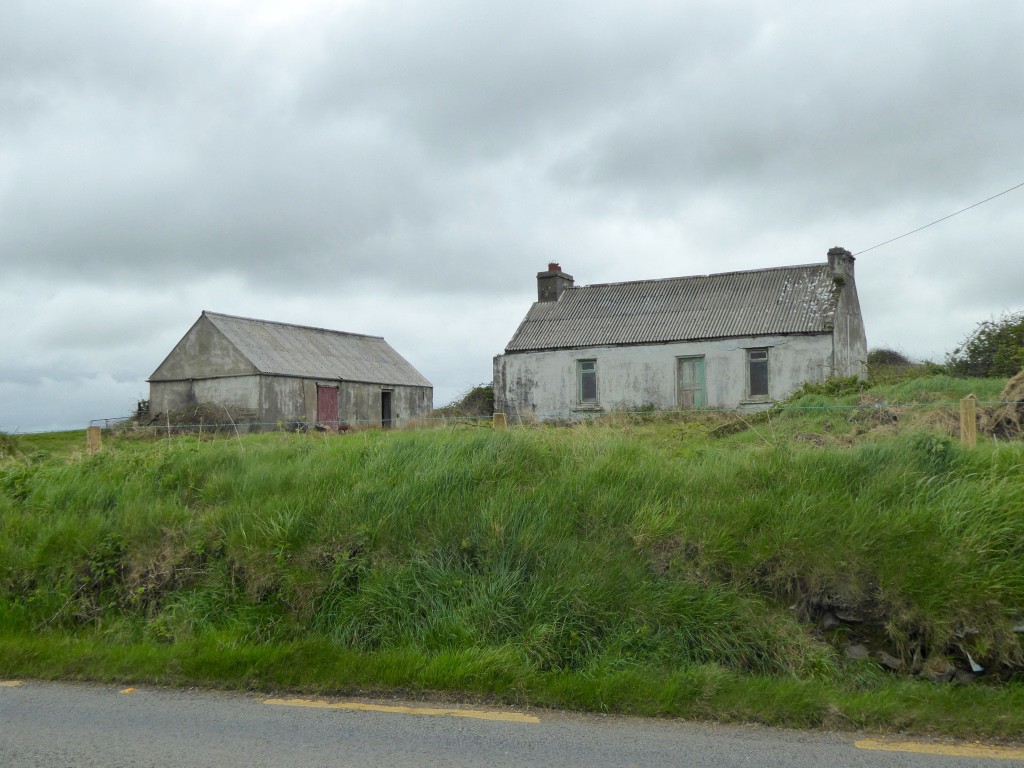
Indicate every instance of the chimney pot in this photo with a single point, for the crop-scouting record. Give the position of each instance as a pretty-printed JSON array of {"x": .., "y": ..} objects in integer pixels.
[{"x": 554, "y": 266}]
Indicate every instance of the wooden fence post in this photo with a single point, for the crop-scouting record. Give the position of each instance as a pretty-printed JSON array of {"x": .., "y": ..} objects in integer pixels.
[
  {"x": 968, "y": 421},
  {"x": 93, "y": 439},
  {"x": 498, "y": 421}
]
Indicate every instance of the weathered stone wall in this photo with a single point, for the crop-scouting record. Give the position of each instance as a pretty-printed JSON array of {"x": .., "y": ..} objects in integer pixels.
[
  {"x": 851, "y": 346},
  {"x": 237, "y": 392},
  {"x": 282, "y": 400},
  {"x": 360, "y": 404}
]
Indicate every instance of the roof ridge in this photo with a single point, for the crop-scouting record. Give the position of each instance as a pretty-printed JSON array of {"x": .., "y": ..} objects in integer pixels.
[
  {"x": 699, "y": 277},
  {"x": 208, "y": 313}
]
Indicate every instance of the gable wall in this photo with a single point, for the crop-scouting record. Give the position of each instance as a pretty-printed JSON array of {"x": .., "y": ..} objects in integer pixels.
[
  {"x": 851, "y": 345},
  {"x": 542, "y": 385},
  {"x": 202, "y": 353}
]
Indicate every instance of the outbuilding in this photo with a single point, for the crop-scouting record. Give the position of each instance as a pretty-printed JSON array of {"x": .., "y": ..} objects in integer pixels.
[
  {"x": 268, "y": 375},
  {"x": 731, "y": 340}
]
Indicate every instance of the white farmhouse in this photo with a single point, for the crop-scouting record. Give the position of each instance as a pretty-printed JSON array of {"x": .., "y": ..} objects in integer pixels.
[{"x": 729, "y": 340}]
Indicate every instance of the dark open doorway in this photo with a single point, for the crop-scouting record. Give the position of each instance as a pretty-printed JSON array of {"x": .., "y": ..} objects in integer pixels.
[{"x": 385, "y": 409}]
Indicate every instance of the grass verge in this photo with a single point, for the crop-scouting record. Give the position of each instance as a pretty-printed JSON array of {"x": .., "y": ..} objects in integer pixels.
[{"x": 319, "y": 667}]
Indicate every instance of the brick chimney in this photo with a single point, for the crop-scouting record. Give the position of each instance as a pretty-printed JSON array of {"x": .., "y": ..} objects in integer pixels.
[
  {"x": 840, "y": 262},
  {"x": 553, "y": 283}
]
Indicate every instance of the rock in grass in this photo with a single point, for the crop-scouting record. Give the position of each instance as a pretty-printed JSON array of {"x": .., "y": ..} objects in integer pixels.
[
  {"x": 938, "y": 669},
  {"x": 888, "y": 661},
  {"x": 964, "y": 677},
  {"x": 856, "y": 652},
  {"x": 848, "y": 618}
]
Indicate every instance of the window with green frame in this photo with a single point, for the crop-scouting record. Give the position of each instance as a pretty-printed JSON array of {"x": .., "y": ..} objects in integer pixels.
[{"x": 586, "y": 381}]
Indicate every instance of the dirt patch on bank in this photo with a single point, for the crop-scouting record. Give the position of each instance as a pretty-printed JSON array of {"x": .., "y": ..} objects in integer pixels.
[{"x": 1007, "y": 419}]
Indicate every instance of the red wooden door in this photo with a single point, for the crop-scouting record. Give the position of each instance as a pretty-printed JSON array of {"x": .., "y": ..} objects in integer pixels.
[{"x": 327, "y": 405}]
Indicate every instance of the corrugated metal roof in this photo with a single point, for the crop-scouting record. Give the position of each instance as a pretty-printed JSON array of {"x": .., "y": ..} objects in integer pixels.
[
  {"x": 800, "y": 299},
  {"x": 316, "y": 353}
]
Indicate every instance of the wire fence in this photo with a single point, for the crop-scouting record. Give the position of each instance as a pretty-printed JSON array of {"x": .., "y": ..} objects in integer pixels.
[
  {"x": 129, "y": 423},
  {"x": 111, "y": 423}
]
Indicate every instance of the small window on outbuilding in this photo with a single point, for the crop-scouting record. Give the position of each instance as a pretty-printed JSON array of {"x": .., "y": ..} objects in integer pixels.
[
  {"x": 757, "y": 372},
  {"x": 586, "y": 381}
]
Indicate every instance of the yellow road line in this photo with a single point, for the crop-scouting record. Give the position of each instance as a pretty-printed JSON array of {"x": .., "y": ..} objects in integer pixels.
[
  {"x": 950, "y": 750},
  {"x": 9, "y": 683},
  {"x": 511, "y": 717}
]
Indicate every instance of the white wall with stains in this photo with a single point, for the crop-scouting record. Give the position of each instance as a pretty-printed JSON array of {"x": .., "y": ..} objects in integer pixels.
[{"x": 543, "y": 385}]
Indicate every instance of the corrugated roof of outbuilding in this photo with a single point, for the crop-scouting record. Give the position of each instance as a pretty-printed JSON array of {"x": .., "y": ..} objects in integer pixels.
[
  {"x": 780, "y": 300},
  {"x": 316, "y": 353}
]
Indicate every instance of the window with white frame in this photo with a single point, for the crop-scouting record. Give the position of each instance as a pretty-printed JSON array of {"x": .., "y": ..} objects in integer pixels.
[
  {"x": 586, "y": 382},
  {"x": 757, "y": 372}
]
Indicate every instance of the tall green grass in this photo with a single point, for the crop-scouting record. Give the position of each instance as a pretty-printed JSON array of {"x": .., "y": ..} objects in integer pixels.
[
  {"x": 507, "y": 561},
  {"x": 41, "y": 445}
]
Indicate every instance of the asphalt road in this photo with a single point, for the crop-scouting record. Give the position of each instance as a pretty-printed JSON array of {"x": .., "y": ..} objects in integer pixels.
[{"x": 55, "y": 725}]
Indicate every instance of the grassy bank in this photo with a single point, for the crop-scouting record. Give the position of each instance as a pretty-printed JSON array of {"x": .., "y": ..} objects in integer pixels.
[{"x": 692, "y": 566}]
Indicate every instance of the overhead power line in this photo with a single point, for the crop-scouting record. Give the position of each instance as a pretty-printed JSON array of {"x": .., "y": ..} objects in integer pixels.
[{"x": 905, "y": 234}]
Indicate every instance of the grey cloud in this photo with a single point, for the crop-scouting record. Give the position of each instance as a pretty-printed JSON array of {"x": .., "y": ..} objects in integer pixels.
[
  {"x": 472, "y": 81},
  {"x": 132, "y": 51},
  {"x": 851, "y": 112},
  {"x": 383, "y": 146}
]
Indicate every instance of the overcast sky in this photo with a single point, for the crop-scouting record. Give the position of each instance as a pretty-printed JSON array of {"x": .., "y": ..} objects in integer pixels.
[{"x": 406, "y": 168}]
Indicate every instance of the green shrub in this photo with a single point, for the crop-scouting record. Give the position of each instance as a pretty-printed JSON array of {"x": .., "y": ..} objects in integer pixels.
[
  {"x": 478, "y": 402},
  {"x": 9, "y": 446},
  {"x": 888, "y": 357},
  {"x": 994, "y": 348},
  {"x": 889, "y": 366},
  {"x": 836, "y": 386}
]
